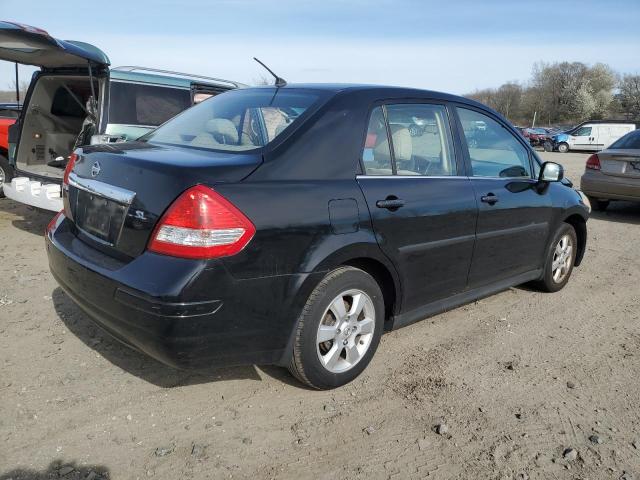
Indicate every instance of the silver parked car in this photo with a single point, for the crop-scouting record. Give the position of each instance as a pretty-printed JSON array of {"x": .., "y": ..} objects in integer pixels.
[{"x": 614, "y": 173}]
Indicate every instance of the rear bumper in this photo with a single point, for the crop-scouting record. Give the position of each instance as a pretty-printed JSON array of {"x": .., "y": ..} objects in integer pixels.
[
  {"x": 35, "y": 193},
  {"x": 599, "y": 185},
  {"x": 187, "y": 314}
]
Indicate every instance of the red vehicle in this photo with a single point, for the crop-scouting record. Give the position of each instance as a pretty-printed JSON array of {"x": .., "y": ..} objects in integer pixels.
[
  {"x": 8, "y": 115},
  {"x": 536, "y": 136}
]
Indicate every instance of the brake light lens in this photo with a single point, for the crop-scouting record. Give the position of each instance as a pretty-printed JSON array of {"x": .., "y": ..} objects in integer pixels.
[
  {"x": 201, "y": 223},
  {"x": 67, "y": 170},
  {"x": 593, "y": 162},
  {"x": 53, "y": 221}
]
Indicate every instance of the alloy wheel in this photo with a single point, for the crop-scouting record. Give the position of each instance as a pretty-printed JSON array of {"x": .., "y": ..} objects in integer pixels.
[
  {"x": 562, "y": 258},
  {"x": 345, "y": 331}
]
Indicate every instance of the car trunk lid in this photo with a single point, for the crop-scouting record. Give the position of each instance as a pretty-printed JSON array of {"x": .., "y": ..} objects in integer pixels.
[
  {"x": 620, "y": 163},
  {"x": 33, "y": 46},
  {"x": 116, "y": 195}
]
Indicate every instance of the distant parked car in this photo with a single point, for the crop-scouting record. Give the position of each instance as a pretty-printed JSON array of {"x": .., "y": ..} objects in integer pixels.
[
  {"x": 75, "y": 99},
  {"x": 536, "y": 135},
  {"x": 589, "y": 136},
  {"x": 614, "y": 173},
  {"x": 8, "y": 114}
]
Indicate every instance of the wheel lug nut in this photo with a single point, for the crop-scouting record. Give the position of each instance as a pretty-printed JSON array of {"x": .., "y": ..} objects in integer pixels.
[{"x": 345, "y": 342}]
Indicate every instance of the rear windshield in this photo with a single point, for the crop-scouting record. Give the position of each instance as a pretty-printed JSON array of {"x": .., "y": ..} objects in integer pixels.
[
  {"x": 630, "y": 140},
  {"x": 145, "y": 105},
  {"x": 236, "y": 121}
]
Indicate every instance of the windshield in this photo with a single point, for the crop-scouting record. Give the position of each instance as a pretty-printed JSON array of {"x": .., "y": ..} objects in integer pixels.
[{"x": 235, "y": 121}]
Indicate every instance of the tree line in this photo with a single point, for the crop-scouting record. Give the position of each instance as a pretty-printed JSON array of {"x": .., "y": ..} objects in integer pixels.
[{"x": 566, "y": 93}]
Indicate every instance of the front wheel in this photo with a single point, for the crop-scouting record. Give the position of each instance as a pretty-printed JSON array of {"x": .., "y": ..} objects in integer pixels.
[
  {"x": 548, "y": 147},
  {"x": 560, "y": 259},
  {"x": 339, "y": 329},
  {"x": 563, "y": 147}
]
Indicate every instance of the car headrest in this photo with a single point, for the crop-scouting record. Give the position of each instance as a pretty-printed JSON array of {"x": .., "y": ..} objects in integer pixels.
[
  {"x": 402, "y": 144},
  {"x": 223, "y": 130}
]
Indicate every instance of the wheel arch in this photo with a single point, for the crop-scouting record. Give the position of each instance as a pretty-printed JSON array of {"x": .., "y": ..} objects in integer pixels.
[
  {"x": 579, "y": 224},
  {"x": 366, "y": 257}
]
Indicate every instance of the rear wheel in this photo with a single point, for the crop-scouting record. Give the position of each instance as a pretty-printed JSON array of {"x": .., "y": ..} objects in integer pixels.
[
  {"x": 563, "y": 147},
  {"x": 561, "y": 256},
  {"x": 6, "y": 173},
  {"x": 339, "y": 329},
  {"x": 598, "y": 205}
]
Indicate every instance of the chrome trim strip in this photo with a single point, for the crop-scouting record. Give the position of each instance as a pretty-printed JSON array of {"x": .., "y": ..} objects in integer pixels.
[
  {"x": 102, "y": 189},
  {"x": 358, "y": 177}
]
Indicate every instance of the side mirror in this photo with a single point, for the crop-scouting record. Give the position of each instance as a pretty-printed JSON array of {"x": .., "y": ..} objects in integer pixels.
[{"x": 551, "y": 172}]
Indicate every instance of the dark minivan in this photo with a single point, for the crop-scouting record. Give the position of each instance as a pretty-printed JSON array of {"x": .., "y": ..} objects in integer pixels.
[{"x": 294, "y": 225}]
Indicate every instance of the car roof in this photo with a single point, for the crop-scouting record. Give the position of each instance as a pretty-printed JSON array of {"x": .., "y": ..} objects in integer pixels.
[
  {"x": 10, "y": 106},
  {"x": 380, "y": 91}
]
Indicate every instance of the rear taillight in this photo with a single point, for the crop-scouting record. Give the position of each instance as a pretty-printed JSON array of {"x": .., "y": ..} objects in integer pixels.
[
  {"x": 201, "y": 223},
  {"x": 593, "y": 162},
  {"x": 67, "y": 170},
  {"x": 53, "y": 221}
]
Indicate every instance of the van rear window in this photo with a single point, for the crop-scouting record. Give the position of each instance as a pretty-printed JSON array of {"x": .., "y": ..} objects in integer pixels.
[{"x": 145, "y": 105}]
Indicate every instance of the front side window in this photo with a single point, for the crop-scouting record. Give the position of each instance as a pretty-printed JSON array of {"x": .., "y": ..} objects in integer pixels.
[
  {"x": 146, "y": 105},
  {"x": 494, "y": 151},
  {"x": 237, "y": 120},
  {"x": 421, "y": 139},
  {"x": 582, "y": 132}
]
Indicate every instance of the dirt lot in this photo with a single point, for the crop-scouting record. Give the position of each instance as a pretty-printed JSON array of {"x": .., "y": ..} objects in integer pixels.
[{"x": 517, "y": 378}]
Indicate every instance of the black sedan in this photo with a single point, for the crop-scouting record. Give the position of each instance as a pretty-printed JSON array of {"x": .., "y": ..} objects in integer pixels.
[{"x": 294, "y": 225}]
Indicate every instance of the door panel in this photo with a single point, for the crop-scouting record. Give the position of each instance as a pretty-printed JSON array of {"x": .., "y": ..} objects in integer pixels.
[
  {"x": 430, "y": 238},
  {"x": 511, "y": 233},
  {"x": 513, "y": 214}
]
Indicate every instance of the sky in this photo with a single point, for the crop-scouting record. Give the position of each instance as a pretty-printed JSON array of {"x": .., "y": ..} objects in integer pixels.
[{"x": 452, "y": 46}]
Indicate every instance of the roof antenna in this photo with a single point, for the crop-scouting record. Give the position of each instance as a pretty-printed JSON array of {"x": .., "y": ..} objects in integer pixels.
[{"x": 280, "y": 82}]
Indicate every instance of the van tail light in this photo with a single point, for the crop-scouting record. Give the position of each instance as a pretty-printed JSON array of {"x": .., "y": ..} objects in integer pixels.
[
  {"x": 67, "y": 170},
  {"x": 593, "y": 162},
  {"x": 201, "y": 223}
]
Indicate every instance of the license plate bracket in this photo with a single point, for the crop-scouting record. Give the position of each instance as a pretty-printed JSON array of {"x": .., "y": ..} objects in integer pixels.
[{"x": 100, "y": 217}]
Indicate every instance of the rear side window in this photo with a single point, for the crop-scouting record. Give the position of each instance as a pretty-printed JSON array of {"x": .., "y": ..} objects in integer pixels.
[
  {"x": 376, "y": 155},
  {"x": 630, "y": 140},
  {"x": 494, "y": 151},
  {"x": 148, "y": 105},
  {"x": 421, "y": 139}
]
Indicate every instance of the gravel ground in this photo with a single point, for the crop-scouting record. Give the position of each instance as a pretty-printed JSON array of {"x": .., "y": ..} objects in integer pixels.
[{"x": 519, "y": 385}]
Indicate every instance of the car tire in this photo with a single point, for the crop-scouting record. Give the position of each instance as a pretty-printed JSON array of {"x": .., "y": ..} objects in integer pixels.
[
  {"x": 6, "y": 173},
  {"x": 548, "y": 147},
  {"x": 598, "y": 205},
  {"x": 339, "y": 310},
  {"x": 559, "y": 260},
  {"x": 563, "y": 147}
]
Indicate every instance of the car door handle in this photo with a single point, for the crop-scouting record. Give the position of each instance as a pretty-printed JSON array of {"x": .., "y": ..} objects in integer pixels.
[
  {"x": 390, "y": 203},
  {"x": 489, "y": 198}
]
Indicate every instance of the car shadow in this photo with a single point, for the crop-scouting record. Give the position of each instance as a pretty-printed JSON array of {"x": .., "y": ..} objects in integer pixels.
[
  {"x": 134, "y": 362},
  {"x": 59, "y": 469},
  {"x": 622, "y": 212},
  {"x": 31, "y": 220}
]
